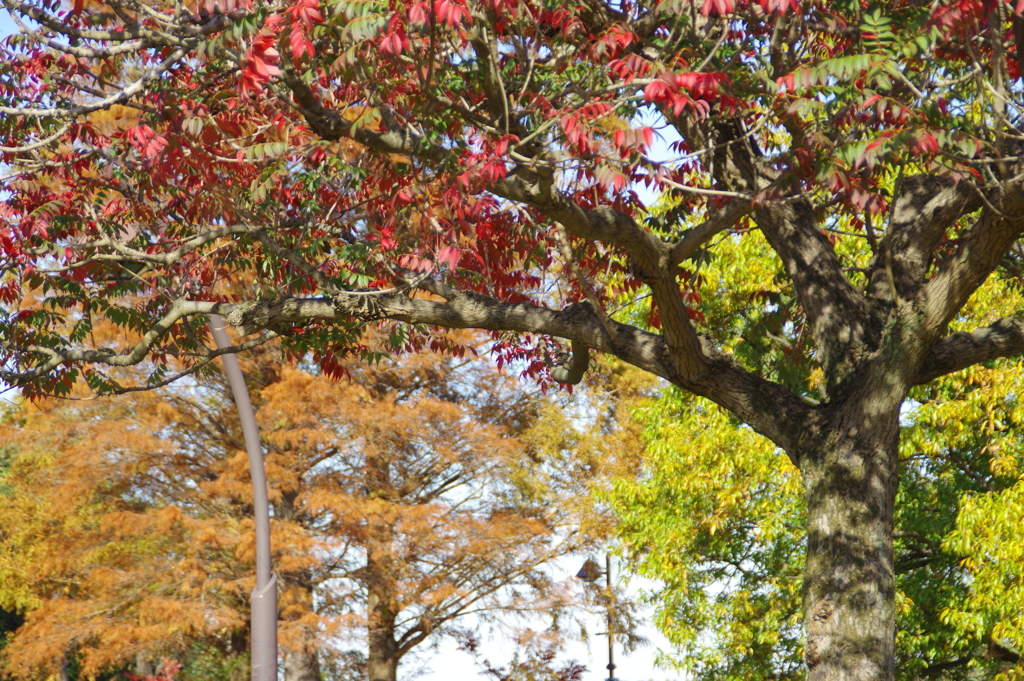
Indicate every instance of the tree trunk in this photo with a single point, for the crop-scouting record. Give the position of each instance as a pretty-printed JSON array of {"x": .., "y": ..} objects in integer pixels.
[
  {"x": 850, "y": 482},
  {"x": 301, "y": 666},
  {"x": 144, "y": 666},
  {"x": 65, "y": 670},
  {"x": 297, "y": 598},
  {"x": 381, "y": 613},
  {"x": 382, "y": 667},
  {"x": 382, "y": 661}
]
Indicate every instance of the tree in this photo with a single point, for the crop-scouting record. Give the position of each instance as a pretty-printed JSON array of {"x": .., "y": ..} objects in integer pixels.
[
  {"x": 725, "y": 535},
  {"x": 722, "y": 535},
  {"x": 729, "y": 595},
  {"x": 406, "y": 498},
  {"x": 472, "y": 163}
]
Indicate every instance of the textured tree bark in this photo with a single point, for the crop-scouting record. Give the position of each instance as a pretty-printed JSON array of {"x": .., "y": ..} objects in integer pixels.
[
  {"x": 850, "y": 483},
  {"x": 144, "y": 666},
  {"x": 301, "y": 666},
  {"x": 384, "y": 653},
  {"x": 299, "y": 587},
  {"x": 382, "y": 660}
]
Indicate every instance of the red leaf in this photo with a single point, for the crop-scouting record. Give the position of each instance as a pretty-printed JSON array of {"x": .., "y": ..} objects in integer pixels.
[
  {"x": 655, "y": 91},
  {"x": 415, "y": 263},
  {"x": 418, "y": 14},
  {"x": 450, "y": 256},
  {"x": 307, "y": 13},
  {"x": 571, "y": 126},
  {"x": 391, "y": 44},
  {"x": 871, "y": 100},
  {"x": 259, "y": 66},
  {"x": 716, "y": 8},
  {"x": 781, "y": 6},
  {"x": 502, "y": 146},
  {"x": 648, "y": 134},
  {"x": 595, "y": 110},
  {"x": 300, "y": 44}
]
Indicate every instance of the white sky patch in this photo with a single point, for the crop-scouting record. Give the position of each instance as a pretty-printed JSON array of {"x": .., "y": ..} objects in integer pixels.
[{"x": 448, "y": 663}]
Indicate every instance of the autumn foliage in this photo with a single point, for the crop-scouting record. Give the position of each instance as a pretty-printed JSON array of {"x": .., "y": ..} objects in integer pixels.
[
  {"x": 402, "y": 499},
  {"x": 438, "y": 164}
]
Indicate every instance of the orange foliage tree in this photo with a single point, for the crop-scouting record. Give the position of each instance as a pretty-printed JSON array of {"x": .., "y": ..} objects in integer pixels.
[{"x": 411, "y": 495}]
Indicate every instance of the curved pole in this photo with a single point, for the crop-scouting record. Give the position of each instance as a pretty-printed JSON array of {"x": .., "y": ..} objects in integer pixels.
[{"x": 264, "y": 597}]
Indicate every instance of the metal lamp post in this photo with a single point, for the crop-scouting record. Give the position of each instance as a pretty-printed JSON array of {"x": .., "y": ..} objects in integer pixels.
[
  {"x": 591, "y": 572},
  {"x": 263, "y": 603}
]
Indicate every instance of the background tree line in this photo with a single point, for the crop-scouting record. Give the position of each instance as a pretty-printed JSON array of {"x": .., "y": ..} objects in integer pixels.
[{"x": 406, "y": 495}]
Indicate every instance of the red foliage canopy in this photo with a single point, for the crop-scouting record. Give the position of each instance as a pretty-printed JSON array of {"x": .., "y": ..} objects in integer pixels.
[{"x": 475, "y": 163}]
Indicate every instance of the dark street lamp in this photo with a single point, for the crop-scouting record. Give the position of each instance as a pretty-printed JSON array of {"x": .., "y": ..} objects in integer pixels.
[
  {"x": 263, "y": 604},
  {"x": 591, "y": 572}
]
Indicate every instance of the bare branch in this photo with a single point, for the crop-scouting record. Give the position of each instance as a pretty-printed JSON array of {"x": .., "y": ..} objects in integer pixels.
[
  {"x": 46, "y": 141},
  {"x": 925, "y": 208},
  {"x": 132, "y": 30},
  {"x": 78, "y": 51},
  {"x": 124, "y": 253},
  {"x": 722, "y": 219},
  {"x": 1003, "y": 338}
]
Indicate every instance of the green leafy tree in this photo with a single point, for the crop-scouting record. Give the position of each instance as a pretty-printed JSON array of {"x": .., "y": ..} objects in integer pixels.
[{"x": 718, "y": 519}]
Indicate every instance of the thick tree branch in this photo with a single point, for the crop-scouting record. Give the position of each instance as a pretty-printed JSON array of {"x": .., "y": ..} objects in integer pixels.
[
  {"x": 722, "y": 219},
  {"x": 838, "y": 314},
  {"x": 770, "y": 409},
  {"x": 925, "y": 208},
  {"x": 1003, "y": 338},
  {"x": 980, "y": 251},
  {"x": 649, "y": 257},
  {"x": 330, "y": 125},
  {"x": 572, "y": 368}
]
